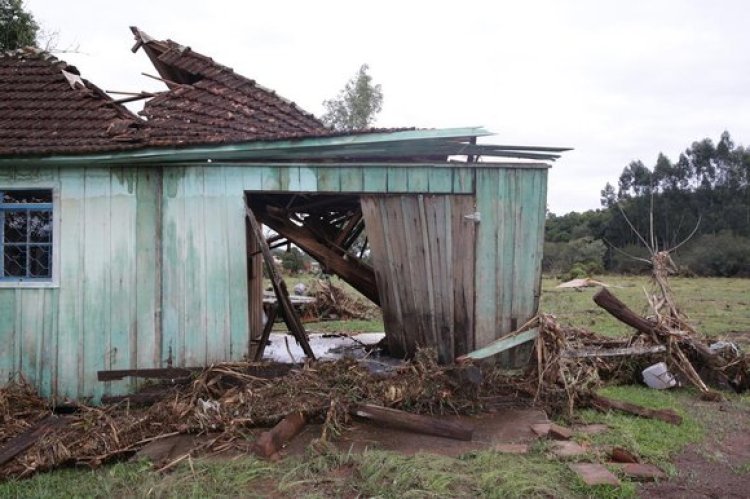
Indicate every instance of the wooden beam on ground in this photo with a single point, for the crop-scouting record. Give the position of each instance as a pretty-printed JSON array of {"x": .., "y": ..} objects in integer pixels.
[
  {"x": 271, "y": 442},
  {"x": 291, "y": 318},
  {"x": 413, "y": 422},
  {"x": 23, "y": 441},
  {"x": 605, "y": 404}
]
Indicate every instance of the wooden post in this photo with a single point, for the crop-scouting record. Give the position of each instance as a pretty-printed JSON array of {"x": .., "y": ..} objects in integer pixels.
[{"x": 279, "y": 287}]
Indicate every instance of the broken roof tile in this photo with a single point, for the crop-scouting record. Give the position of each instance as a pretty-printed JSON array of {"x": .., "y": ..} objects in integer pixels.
[{"x": 46, "y": 107}]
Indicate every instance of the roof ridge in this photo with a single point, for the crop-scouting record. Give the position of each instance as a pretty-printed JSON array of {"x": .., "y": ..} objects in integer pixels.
[{"x": 184, "y": 50}]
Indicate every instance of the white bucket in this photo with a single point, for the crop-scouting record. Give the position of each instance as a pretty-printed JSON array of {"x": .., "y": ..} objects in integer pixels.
[{"x": 658, "y": 377}]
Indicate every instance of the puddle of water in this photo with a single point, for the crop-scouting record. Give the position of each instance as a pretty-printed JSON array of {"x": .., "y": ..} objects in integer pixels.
[{"x": 329, "y": 347}]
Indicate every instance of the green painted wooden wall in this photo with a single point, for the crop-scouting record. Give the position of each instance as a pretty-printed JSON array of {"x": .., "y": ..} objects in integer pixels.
[{"x": 153, "y": 265}]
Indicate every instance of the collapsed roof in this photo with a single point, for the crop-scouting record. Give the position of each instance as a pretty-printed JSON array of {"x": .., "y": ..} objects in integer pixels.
[
  {"x": 209, "y": 102},
  {"x": 46, "y": 108}
]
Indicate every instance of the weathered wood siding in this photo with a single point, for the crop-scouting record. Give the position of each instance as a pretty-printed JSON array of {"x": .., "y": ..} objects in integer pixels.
[
  {"x": 509, "y": 244},
  {"x": 423, "y": 254},
  {"x": 447, "y": 282},
  {"x": 153, "y": 262},
  {"x": 107, "y": 297}
]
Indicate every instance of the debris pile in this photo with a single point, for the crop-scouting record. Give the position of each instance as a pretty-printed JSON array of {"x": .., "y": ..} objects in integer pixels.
[
  {"x": 225, "y": 401},
  {"x": 334, "y": 302},
  {"x": 20, "y": 409}
]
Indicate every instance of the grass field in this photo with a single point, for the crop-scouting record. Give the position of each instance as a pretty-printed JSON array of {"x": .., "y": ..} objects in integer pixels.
[{"x": 717, "y": 306}]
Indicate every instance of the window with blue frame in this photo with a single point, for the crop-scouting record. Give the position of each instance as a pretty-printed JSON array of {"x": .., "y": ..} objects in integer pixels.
[{"x": 26, "y": 235}]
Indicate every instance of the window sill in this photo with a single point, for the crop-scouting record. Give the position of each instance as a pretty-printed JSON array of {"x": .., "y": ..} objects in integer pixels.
[{"x": 29, "y": 284}]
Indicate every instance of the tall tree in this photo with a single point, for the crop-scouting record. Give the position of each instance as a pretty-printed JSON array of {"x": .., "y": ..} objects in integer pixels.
[
  {"x": 17, "y": 26},
  {"x": 356, "y": 105}
]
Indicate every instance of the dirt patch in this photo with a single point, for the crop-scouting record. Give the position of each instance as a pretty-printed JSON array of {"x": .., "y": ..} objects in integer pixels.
[
  {"x": 719, "y": 467},
  {"x": 502, "y": 427}
]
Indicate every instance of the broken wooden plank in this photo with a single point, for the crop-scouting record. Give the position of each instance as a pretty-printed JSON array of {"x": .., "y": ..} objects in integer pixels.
[
  {"x": 270, "y": 442},
  {"x": 501, "y": 345},
  {"x": 594, "y": 474},
  {"x": 348, "y": 267},
  {"x": 605, "y": 404},
  {"x": 279, "y": 287},
  {"x": 153, "y": 373},
  {"x": 612, "y": 352},
  {"x": 23, "y": 441},
  {"x": 413, "y": 422},
  {"x": 266, "y": 370}
]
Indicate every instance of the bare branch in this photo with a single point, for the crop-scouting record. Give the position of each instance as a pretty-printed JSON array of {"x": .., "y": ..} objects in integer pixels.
[
  {"x": 695, "y": 229},
  {"x": 626, "y": 253},
  {"x": 632, "y": 227}
]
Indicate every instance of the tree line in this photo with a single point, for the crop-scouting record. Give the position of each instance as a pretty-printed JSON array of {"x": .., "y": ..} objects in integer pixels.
[{"x": 707, "y": 190}]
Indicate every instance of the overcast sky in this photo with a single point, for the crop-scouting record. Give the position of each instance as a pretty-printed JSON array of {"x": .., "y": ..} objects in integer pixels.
[{"x": 615, "y": 80}]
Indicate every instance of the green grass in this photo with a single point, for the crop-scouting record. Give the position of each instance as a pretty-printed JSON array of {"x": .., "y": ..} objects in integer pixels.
[
  {"x": 654, "y": 441},
  {"x": 203, "y": 479},
  {"x": 715, "y": 306},
  {"x": 372, "y": 473}
]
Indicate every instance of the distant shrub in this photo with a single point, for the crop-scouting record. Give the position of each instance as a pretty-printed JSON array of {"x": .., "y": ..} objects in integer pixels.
[
  {"x": 621, "y": 263},
  {"x": 724, "y": 255},
  {"x": 581, "y": 257}
]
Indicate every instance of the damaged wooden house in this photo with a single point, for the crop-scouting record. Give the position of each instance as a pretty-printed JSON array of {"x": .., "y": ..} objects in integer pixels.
[{"x": 132, "y": 241}]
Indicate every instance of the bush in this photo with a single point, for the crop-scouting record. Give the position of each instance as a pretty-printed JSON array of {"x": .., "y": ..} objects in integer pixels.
[
  {"x": 621, "y": 263},
  {"x": 580, "y": 257},
  {"x": 723, "y": 255}
]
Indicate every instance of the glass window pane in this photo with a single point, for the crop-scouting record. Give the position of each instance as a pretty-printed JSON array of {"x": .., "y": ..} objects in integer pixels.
[
  {"x": 15, "y": 261},
  {"x": 40, "y": 226},
  {"x": 27, "y": 196},
  {"x": 15, "y": 226},
  {"x": 39, "y": 261}
]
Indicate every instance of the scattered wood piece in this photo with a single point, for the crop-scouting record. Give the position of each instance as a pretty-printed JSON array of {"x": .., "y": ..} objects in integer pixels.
[
  {"x": 261, "y": 370},
  {"x": 560, "y": 432},
  {"x": 605, "y": 404},
  {"x": 594, "y": 474},
  {"x": 289, "y": 314},
  {"x": 568, "y": 448},
  {"x": 157, "y": 373},
  {"x": 29, "y": 437},
  {"x": 613, "y": 352},
  {"x": 270, "y": 442},
  {"x": 500, "y": 345},
  {"x": 620, "y": 455},
  {"x": 642, "y": 472},
  {"x": 582, "y": 283},
  {"x": 413, "y": 422},
  {"x": 541, "y": 429}
]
